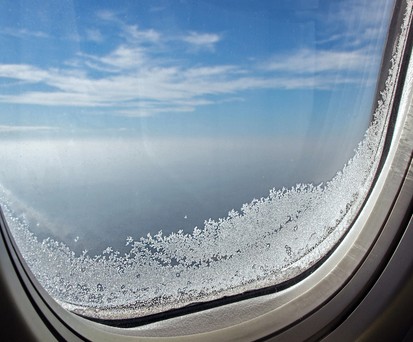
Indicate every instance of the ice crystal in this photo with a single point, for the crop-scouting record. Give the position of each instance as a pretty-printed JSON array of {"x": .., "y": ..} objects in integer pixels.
[{"x": 268, "y": 241}]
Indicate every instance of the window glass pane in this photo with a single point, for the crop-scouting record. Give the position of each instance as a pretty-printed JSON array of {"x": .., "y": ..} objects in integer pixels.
[{"x": 156, "y": 154}]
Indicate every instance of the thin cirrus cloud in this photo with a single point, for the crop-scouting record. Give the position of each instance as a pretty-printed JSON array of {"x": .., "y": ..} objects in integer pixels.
[
  {"x": 132, "y": 33},
  {"x": 141, "y": 77},
  {"x": 94, "y": 35},
  {"x": 23, "y": 33},
  {"x": 202, "y": 40},
  {"x": 355, "y": 22},
  {"x": 307, "y": 61},
  {"x": 122, "y": 58},
  {"x": 166, "y": 85},
  {"x": 13, "y": 129},
  {"x": 106, "y": 15},
  {"x": 131, "y": 81},
  {"x": 137, "y": 34}
]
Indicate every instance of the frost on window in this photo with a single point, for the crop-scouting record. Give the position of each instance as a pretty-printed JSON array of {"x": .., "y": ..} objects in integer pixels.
[{"x": 266, "y": 242}]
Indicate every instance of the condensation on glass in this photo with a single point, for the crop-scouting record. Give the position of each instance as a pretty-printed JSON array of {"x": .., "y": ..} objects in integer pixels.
[{"x": 265, "y": 242}]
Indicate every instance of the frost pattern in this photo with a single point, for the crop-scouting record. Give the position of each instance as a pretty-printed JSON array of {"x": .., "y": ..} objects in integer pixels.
[{"x": 268, "y": 241}]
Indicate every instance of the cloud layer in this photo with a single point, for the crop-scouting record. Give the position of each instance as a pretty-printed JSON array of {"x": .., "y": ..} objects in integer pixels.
[{"x": 141, "y": 75}]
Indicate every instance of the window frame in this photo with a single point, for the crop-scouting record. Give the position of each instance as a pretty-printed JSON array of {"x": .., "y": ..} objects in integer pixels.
[{"x": 347, "y": 295}]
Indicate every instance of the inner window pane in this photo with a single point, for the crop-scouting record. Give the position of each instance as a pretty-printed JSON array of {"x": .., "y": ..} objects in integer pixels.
[{"x": 160, "y": 153}]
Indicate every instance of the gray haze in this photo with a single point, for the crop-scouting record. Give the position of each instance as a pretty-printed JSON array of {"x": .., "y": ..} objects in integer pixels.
[{"x": 103, "y": 190}]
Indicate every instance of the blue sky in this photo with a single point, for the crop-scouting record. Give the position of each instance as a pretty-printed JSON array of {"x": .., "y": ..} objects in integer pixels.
[
  {"x": 189, "y": 67},
  {"x": 264, "y": 94}
]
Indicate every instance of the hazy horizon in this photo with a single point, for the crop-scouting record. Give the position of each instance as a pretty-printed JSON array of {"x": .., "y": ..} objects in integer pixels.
[
  {"x": 90, "y": 188},
  {"x": 160, "y": 115}
]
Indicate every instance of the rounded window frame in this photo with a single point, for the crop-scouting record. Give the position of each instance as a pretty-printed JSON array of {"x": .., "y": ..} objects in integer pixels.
[{"x": 343, "y": 279}]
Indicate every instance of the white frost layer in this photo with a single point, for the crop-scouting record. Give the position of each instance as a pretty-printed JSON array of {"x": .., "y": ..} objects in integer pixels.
[{"x": 267, "y": 242}]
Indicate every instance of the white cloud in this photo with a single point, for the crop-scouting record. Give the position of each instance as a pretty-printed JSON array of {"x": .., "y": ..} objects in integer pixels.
[
  {"x": 367, "y": 13},
  {"x": 149, "y": 90},
  {"x": 124, "y": 57},
  {"x": 131, "y": 81},
  {"x": 139, "y": 86},
  {"x": 202, "y": 40},
  {"x": 355, "y": 22},
  {"x": 23, "y": 72},
  {"x": 133, "y": 32},
  {"x": 106, "y": 15},
  {"x": 307, "y": 61},
  {"x": 23, "y": 33},
  {"x": 145, "y": 112},
  {"x": 18, "y": 128},
  {"x": 94, "y": 35},
  {"x": 212, "y": 71},
  {"x": 72, "y": 99}
]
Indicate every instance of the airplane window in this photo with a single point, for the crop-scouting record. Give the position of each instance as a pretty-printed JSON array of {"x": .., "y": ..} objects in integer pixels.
[{"x": 160, "y": 154}]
